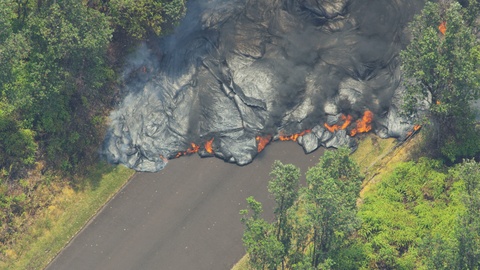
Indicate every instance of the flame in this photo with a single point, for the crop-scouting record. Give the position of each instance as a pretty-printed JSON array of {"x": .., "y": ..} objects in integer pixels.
[
  {"x": 415, "y": 128},
  {"x": 363, "y": 125},
  {"x": 442, "y": 27},
  {"x": 438, "y": 102},
  {"x": 193, "y": 149},
  {"x": 347, "y": 119},
  {"x": 208, "y": 146},
  {"x": 262, "y": 142},
  {"x": 293, "y": 137}
]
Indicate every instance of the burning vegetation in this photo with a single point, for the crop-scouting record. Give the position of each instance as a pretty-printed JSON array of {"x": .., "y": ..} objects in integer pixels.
[{"x": 442, "y": 27}]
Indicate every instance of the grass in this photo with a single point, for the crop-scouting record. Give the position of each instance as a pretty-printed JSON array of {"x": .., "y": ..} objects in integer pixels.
[
  {"x": 242, "y": 264},
  {"x": 68, "y": 213}
]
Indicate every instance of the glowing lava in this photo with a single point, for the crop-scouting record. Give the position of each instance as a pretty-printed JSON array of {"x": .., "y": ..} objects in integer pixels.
[
  {"x": 293, "y": 137},
  {"x": 262, "y": 142},
  {"x": 208, "y": 146},
  {"x": 347, "y": 119},
  {"x": 193, "y": 149},
  {"x": 363, "y": 125}
]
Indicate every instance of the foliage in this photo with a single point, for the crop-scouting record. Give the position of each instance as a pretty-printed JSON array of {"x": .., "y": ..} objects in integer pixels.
[
  {"x": 311, "y": 226},
  {"x": 17, "y": 145},
  {"x": 333, "y": 186},
  {"x": 444, "y": 69},
  {"x": 139, "y": 18},
  {"x": 263, "y": 247},
  {"x": 284, "y": 188},
  {"x": 468, "y": 233},
  {"x": 410, "y": 218}
]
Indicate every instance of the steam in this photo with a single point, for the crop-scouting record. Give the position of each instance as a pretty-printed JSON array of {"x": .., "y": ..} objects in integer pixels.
[{"x": 239, "y": 70}]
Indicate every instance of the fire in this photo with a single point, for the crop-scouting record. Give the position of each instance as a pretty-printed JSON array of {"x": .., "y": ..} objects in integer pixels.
[
  {"x": 442, "y": 27},
  {"x": 347, "y": 120},
  {"x": 293, "y": 137},
  {"x": 415, "y": 128},
  {"x": 262, "y": 142},
  {"x": 191, "y": 150},
  {"x": 208, "y": 146},
  {"x": 363, "y": 125}
]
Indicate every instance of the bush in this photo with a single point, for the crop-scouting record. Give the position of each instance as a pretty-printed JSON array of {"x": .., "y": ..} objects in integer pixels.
[{"x": 17, "y": 146}]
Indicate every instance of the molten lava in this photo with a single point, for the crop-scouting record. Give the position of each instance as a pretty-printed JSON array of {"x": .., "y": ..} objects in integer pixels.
[
  {"x": 363, "y": 125},
  {"x": 208, "y": 146},
  {"x": 262, "y": 142},
  {"x": 193, "y": 149},
  {"x": 346, "y": 122},
  {"x": 442, "y": 27},
  {"x": 293, "y": 137}
]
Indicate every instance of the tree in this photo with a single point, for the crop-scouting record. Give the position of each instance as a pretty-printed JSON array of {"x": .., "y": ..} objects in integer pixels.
[
  {"x": 53, "y": 70},
  {"x": 442, "y": 65},
  {"x": 333, "y": 186},
  {"x": 263, "y": 248},
  {"x": 284, "y": 188},
  {"x": 140, "y": 18}
]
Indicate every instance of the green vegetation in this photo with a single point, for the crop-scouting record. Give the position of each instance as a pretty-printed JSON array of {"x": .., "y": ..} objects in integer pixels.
[
  {"x": 60, "y": 212},
  {"x": 308, "y": 231},
  {"x": 420, "y": 215},
  {"x": 443, "y": 66},
  {"x": 59, "y": 62}
]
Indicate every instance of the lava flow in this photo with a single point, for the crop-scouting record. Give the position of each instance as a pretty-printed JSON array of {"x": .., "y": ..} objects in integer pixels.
[
  {"x": 293, "y": 137},
  {"x": 347, "y": 119},
  {"x": 262, "y": 142},
  {"x": 363, "y": 125},
  {"x": 193, "y": 149},
  {"x": 208, "y": 146}
]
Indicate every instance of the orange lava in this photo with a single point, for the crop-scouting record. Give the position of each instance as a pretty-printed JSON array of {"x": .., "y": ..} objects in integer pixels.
[
  {"x": 208, "y": 146},
  {"x": 442, "y": 27},
  {"x": 347, "y": 120},
  {"x": 363, "y": 125},
  {"x": 262, "y": 142},
  {"x": 193, "y": 149},
  {"x": 293, "y": 137}
]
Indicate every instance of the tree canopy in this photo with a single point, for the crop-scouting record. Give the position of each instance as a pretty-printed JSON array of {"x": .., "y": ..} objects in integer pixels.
[
  {"x": 442, "y": 66},
  {"x": 57, "y": 76}
]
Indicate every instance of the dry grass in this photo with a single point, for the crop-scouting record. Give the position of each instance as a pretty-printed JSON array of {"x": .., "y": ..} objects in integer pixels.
[{"x": 69, "y": 211}]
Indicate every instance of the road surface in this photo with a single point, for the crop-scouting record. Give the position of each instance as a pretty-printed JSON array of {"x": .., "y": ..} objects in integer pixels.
[{"x": 184, "y": 217}]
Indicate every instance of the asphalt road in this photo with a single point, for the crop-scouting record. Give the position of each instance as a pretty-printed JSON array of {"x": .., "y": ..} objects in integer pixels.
[{"x": 184, "y": 217}]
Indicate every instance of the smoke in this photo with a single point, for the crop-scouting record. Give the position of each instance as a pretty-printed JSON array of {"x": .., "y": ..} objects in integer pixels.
[{"x": 237, "y": 69}]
